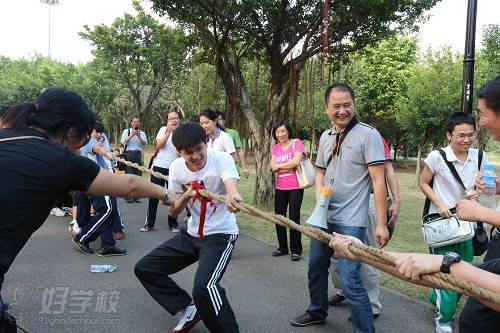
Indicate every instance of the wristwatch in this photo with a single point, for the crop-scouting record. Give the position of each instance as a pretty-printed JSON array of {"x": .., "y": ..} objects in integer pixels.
[{"x": 449, "y": 259}]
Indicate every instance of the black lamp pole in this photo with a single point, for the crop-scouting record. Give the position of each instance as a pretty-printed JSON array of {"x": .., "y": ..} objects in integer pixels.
[{"x": 470, "y": 40}]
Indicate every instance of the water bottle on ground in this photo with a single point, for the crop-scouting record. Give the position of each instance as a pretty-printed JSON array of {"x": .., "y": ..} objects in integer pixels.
[
  {"x": 103, "y": 268},
  {"x": 489, "y": 178}
]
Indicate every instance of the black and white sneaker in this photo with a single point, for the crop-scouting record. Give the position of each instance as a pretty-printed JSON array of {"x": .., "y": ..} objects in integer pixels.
[
  {"x": 84, "y": 248},
  {"x": 145, "y": 229},
  {"x": 189, "y": 318},
  {"x": 114, "y": 251}
]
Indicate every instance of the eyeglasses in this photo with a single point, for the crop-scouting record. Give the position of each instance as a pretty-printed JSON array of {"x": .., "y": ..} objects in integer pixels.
[{"x": 461, "y": 137}]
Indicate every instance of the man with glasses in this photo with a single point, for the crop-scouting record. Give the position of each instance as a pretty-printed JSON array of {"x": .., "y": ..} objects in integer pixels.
[
  {"x": 164, "y": 154},
  {"x": 444, "y": 191}
]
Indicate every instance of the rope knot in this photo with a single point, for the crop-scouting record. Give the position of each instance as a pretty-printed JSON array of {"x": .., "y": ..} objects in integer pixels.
[{"x": 199, "y": 186}]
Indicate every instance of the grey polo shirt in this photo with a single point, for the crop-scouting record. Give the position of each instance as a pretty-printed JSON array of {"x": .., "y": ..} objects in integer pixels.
[{"x": 361, "y": 148}]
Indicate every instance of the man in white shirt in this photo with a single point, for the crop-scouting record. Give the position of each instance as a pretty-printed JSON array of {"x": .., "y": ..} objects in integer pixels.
[
  {"x": 209, "y": 240},
  {"x": 134, "y": 140},
  {"x": 444, "y": 191}
]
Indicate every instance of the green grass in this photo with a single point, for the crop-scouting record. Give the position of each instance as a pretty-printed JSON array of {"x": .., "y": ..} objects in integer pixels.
[{"x": 407, "y": 238}]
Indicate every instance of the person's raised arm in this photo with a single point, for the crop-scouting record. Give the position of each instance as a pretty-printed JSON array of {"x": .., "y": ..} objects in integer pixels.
[{"x": 126, "y": 186}]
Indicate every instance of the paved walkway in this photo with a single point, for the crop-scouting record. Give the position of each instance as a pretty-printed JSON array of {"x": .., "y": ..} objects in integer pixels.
[{"x": 51, "y": 288}]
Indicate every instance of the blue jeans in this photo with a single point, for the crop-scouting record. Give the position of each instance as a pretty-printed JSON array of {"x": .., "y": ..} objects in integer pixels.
[{"x": 352, "y": 287}]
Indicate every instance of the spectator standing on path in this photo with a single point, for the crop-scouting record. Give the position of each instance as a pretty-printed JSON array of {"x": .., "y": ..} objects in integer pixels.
[
  {"x": 134, "y": 140},
  {"x": 443, "y": 190},
  {"x": 369, "y": 274},
  {"x": 240, "y": 153},
  {"x": 43, "y": 137},
  {"x": 351, "y": 157},
  {"x": 209, "y": 240},
  {"x": 286, "y": 156},
  {"x": 164, "y": 155}
]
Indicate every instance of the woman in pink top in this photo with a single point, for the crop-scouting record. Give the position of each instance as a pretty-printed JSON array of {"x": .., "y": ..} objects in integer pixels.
[{"x": 286, "y": 156}]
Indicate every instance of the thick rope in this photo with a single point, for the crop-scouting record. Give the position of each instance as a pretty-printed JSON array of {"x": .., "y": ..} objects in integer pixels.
[{"x": 442, "y": 281}]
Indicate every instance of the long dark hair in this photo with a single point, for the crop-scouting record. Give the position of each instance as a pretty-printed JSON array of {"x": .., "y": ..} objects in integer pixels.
[
  {"x": 212, "y": 115},
  {"x": 54, "y": 111}
]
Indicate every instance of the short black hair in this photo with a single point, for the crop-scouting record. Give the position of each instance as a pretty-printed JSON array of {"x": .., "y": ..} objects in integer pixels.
[
  {"x": 280, "y": 123},
  {"x": 188, "y": 135},
  {"x": 490, "y": 94},
  {"x": 339, "y": 87},
  {"x": 195, "y": 118},
  {"x": 459, "y": 118},
  {"x": 98, "y": 127}
]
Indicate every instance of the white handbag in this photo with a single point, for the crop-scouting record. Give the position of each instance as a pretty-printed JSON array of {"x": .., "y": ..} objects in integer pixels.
[
  {"x": 439, "y": 231},
  {"x": 305, "y": 171}
]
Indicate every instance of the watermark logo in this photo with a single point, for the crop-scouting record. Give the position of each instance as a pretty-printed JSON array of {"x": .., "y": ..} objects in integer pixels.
[{"x": 62, "y": 305}]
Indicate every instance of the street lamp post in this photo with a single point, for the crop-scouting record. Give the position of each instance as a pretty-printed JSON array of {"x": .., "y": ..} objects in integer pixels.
[
  {"x": 50, "y": 3},
  {"x": 470, "y": 39}
]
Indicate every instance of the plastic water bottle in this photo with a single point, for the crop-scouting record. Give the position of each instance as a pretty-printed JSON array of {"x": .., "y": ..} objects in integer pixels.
[
  {"x": 103, "y": 268},
  {"x": 489, "y": 178}
]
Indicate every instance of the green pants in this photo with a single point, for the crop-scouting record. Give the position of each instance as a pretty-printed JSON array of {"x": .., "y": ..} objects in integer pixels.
[{"x": 446, "y": 300}]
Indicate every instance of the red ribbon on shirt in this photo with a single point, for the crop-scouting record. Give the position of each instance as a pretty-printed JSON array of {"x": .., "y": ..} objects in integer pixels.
[{"x": 203, "y": 209}]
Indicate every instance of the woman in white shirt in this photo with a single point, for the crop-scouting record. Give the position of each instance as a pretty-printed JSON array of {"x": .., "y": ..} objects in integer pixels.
[
  {"x": 217, "y": 139},
  {"x": 164, "y": 155}
]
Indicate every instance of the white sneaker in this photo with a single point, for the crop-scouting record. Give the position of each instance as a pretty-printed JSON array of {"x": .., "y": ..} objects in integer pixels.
[
  {"x": 57, "y": 212},
  {"x": 189, "y": 318},
  {"x": 74, "y": 228},
  {"x": 443, "y": 328},
  {"x": 145, "y": 229},
  {"x": 174, "y": 230}
]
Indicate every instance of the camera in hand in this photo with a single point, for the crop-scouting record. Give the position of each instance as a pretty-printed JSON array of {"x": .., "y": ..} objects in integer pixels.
[{"x": 136, "y": 128}]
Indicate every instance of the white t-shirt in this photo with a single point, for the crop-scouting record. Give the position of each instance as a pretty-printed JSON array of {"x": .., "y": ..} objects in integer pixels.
[
  {"x": 167, "y": 153},
  {"x": 445, "y": 186},
  {"x": 221, "y": 142},
  {"x": 219, "y": 167}
]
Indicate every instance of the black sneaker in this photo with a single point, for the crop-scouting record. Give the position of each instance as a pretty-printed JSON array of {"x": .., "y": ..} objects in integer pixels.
[
  {"x": 84, "y": 248},
  {"x": 114, "y": 251},
  {"x": 336, "y": 300},
  {"x": 307, "y": 319},
  {"x": 279, "y": 253}
]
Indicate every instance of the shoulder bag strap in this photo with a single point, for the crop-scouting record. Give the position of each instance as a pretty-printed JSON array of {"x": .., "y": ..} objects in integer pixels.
[{"x": 452, "y": 169}]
